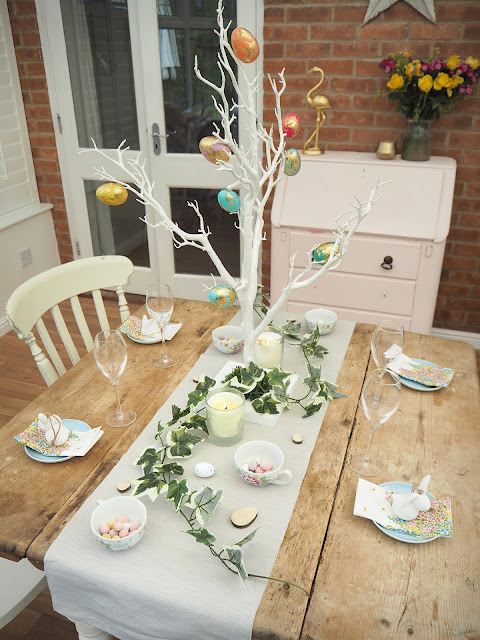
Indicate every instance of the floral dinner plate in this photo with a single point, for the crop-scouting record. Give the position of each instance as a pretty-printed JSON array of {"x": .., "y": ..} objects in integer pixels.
[
  {"x": 73, "y": 425},
  {"x": 418, "y": 386}
]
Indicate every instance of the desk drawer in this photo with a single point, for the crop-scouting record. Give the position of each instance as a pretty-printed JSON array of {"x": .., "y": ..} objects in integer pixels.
[
  {"x": 365, "y": 254},
  {"x": 358, "y": 292}
]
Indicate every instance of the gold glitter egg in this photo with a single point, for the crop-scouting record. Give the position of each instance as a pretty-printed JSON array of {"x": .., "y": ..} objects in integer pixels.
[
  {"x": 244, "y": 45},
  {"x": 322, "y": 253},
  {"x": 222, "y": 295},
  {"x": 213, "y": 150},
  {"x": 290, "y": 125},
  {"x": 292, "y": 162},
  {"x": 112, "y": 193}
]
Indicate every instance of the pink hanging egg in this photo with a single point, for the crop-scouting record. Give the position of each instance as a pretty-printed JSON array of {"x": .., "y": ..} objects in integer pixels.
[
  {"x": 290, "y": 125},
  {"x": 213, "y": 150},
  {"x": 244, "y": 45}
]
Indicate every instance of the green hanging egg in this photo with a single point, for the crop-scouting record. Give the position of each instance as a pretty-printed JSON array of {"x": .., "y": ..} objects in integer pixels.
[
  {"x": 322, "y": 253},
  {"x": 292, "y": 162}
]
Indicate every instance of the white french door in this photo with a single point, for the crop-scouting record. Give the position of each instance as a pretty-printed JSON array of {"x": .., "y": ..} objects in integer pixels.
[{"x": 121, "y": 69}]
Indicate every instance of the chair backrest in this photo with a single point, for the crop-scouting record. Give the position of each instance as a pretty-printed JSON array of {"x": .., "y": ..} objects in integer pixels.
[{"x": 44, "y": 292}]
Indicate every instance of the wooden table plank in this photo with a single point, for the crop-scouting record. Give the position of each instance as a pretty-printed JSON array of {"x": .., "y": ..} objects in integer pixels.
[
  {"x": 372, "y": 586},
  {"x": 280, "y": 614},
  {"x": 28, "y": 530}
]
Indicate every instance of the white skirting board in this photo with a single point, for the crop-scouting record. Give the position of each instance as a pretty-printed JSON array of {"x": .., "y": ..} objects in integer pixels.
[
  {"x": 464, "y": 336},
  {"x": 4, "y": 326}
]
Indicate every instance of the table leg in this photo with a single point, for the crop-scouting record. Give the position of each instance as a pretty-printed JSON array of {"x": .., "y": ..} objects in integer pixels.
[{"x": 87, "y": 632}]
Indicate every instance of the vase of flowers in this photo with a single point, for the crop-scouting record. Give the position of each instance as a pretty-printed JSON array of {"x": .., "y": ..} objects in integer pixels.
[{"x": 424, "y": 90}]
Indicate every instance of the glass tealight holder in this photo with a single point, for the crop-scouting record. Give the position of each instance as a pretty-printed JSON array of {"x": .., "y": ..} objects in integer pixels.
[
  {"x": 225, "y": 410},
  {"x": 268, "y": 350}
]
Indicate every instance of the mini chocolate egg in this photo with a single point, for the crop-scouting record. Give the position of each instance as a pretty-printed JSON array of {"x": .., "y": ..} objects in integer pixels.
[
  {"x": 252, "y": 465},
  {"x": 213, "y": 150},
  {"x": 104, "y": 528},
  {"x": 204, "y": 470},
  {"x": 266, "y": 466},
  {"x": 244, "y": 45},
  {"x": 118, "y": 526},
  {"x": 222, "y": 295},
  {"x": 292, "y": 162},
  {"x": 259, "y": 470},
  {"x": 112, "y": 193},
  {"x": 290, "y": 125},
  {"x": 322, "y": 253},
  {"x": 106, "y": 535},
  {"x": 229, "y": 200},
  {"x": 115, "y": 537},
  {"x": 123, "y": 533},
  {"x": 134, "y": 526}
]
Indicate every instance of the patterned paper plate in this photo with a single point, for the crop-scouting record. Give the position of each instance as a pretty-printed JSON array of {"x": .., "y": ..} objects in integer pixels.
[
  {"x": 74, "y": 425},
  {"x": 418, "y": 386}
]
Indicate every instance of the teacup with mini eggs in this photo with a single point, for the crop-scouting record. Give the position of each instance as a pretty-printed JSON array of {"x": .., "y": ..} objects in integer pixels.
[
  {"x": 260, "y": 463},
  {"x": 119, "y": 523}
]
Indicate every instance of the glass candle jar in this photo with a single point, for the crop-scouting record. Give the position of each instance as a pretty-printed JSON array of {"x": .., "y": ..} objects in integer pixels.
[
  {"x": 225, "y": 410},
  {"x": 268, "y": 350}
]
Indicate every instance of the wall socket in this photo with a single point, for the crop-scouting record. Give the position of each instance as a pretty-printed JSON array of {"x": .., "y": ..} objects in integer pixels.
[{"x": 25, "y": 257}]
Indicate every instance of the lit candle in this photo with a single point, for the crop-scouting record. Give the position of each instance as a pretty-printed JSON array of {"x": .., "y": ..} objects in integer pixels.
[
  {"x": 225, "y": 410},
  {"x": 268, "y": 350}
]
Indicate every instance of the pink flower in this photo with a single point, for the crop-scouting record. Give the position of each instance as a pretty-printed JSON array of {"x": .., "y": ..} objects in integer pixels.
[
  {"x": 461, "y": 90},
  {"x": 468, "y": 89}
]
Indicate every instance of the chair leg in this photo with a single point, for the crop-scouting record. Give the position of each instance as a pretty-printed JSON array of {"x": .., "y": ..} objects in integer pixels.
[{"x": 87, "y": 632}]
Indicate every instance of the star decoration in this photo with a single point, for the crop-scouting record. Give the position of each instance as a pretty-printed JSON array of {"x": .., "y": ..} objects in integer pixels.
[{"x": 425, "y": 7}]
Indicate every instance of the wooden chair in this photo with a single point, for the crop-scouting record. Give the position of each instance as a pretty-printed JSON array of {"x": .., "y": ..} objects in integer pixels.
[
  {"x": 32, "y": 299},
  {"x": 20, "y": 583}
]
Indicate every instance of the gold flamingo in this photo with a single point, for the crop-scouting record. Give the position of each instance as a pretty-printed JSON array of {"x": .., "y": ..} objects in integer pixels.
[{"x": 319, "y": 102}]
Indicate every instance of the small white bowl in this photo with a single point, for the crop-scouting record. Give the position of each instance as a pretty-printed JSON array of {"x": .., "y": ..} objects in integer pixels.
[
  {"x": 261, "y": 450},
  {"x": 228, "y": 339},
  {"x": 113, "y": 508},
  {"x": 324, "y": 319}
]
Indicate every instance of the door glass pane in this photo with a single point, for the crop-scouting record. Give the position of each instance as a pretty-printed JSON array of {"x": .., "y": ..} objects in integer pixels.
[
  {"x": 225, "y": 237},
  {"x": 116, "y": 230},
  {"x": 185, "y": 29},
  {"x": 101, "y": 73}
]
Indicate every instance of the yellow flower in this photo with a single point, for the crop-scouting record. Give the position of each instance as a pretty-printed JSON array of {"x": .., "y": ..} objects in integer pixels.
[
  {"x": 456, "y": 80},
  {"x": 396, "y": 81},
  {"x": 425, "y": 83},
  {"x": 473, "y": 62},
  {"x": 441, "y": 81},
  {"x": 453, "y": 62}
]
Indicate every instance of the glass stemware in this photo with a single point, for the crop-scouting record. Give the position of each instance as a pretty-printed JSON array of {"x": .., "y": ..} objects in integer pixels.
[
  {"x": 387, "y": 342},
  {"x": 380, "y": 399},
  {"x": 110, "y": 352},
  {"x": 159, "y": 301}
]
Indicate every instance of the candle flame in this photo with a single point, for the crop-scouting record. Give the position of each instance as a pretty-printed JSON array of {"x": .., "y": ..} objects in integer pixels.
[{"x": 225, "y": 407}]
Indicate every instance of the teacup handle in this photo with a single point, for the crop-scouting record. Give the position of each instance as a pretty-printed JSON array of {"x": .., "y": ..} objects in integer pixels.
[{"x": 285, "y": 472}]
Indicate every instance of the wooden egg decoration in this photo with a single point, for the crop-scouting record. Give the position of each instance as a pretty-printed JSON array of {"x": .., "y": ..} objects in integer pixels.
[
  {"x": 112, "y": 193},
  {"x": 244, "y": 45},
  {"x": 222, "y": 295},
  {"x": 292, "y": 162},
  {"x": 229, "y": 200},
  {"x": 213, "y": 150},
  {"x": 322, "y": 253},
  {"x": 290, "y": 125}
]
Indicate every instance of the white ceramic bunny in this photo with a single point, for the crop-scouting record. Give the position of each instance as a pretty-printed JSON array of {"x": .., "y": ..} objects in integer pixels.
[
  {"x": 407, "y": 505},
  {"x": 55, "y": 432}
]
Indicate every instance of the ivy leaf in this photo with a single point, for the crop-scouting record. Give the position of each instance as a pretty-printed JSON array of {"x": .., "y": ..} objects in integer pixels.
[
  {"x": 203, "y": 536},
  {"x": 312, "y": 408},
  {"x": 292, "y": 328},
  {"x": 265, "y": 404},
  {"x": 277, "y": 377},
  {"x": 279, "y": 395},
  {"x": 319, "y": 351},
  {"x": 177, "y": 414},
  {"x": 171, "y": 467},
  {"x": 151, "y": 484},
  {"x": 195, "y": 397},
  {"x": 235, "y": 556},
  {"x": 149, "y": 458},
  {"x": 197, "y": 421},
  {"x": 204, "y": 503},
  {"x": 177, "y": 491},
  {"x": 205, "y": 384},
  {"x": 181, "y": 443},
  {"x": 247, "y": 539},
  {"x": 315, "y": 378},
  {"x": 160, "y": 430},
  {"x": 251, "y": 374}
]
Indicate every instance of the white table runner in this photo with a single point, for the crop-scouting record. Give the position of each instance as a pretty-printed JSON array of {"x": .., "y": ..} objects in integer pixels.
[{"x": 169, "y": 587}]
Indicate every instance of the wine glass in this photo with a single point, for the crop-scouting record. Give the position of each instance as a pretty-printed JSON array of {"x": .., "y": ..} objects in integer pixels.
[
  {"x": 380, "y": 399},
  {"x": 160, "y": 306},
  {"x": 110, "y": 353},
  {"x": 387, "y": 342}
]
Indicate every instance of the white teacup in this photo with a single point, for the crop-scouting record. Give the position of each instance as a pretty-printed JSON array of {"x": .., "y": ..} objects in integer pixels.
[
  {"x": 110, "y": 510},
  {"x": 261, "y": 450}
]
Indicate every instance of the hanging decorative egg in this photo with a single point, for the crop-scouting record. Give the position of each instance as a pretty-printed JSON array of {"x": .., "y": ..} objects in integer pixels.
[
  {"x": 290, "y": 125},
  {"x": 213, "y": 150},
  {"x": 244, "y": 45},
  {"x": 222, "y": 295},
  {"x": 112, "y": 193},
  {"x": 322, "y": 253},
  {"x": 229, "y": 200},
  {"x": 292, "y": 162}
]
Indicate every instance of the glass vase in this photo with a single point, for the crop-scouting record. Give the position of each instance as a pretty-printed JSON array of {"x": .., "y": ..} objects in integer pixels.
[{"x": 417, "y": 144}]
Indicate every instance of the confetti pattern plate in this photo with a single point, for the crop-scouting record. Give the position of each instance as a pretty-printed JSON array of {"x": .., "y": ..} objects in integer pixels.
[
  {"x": 418, "y": 386},
  {"x": 74, "y": 425},
  {"x": 403, "y": 487}
]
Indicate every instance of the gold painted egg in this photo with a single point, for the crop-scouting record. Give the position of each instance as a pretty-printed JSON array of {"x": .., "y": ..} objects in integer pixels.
[
  {"x": 112, "y": 193},
  {"x": 213, "y": 150},
  {"x": 229, "y": 200},
  {"x": 322, "y": 253},
  {"x": 290, "y": 125},
  {"x": 292, "y": 162},
  {"x": 244, "y": 45},
  {"x": 222, "y": 295}
]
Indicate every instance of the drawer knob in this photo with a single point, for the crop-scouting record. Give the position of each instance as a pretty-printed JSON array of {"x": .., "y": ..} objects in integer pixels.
[{"x": 387, "y": 262}]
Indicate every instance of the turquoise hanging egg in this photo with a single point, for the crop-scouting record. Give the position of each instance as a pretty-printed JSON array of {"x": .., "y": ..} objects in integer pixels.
[
  {"x": 229, "y": 200},
  {"x": 292, "y": 162},
  {"x": 222, "y": 295},
  {"x": 322, "y": 253}
]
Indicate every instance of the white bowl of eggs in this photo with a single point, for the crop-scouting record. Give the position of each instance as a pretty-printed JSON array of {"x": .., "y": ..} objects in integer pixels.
[
  {"x": 119, "y": 523},
  {"x": 324, "y": 319},
  {"x": 228, "y": 339}
]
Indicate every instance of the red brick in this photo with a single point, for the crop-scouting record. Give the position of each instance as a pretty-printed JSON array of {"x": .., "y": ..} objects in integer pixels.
[
  {"x": 345, "y": 117},
  {"x": 356, "y": 49},
  {"x": 273, "y": 50},
  {"x": 472, "y": 157},
  {"x": 303, "y": 49},
  {"x": 466, "y": 205},
  {"x": 30, "y": 39},
  {"x": 348, "y": 13},
  {"x": 34, "y": 69},
  {"x": 50, "y": 190},
  {"x": 284, "y": 33},
  {"x": 384, "y": 32},
  {"x": 457, "y": 11},
  {"x": 364, "y": 68},
  {"x": 472, "y": 32},
  {"x": 25, "y": 7},
  {"x": 33, "y": 84},
  {"x": 42, "y": 139},
  {"x": 473, "y": 190},
  {"x": 274, "y": 14},
  {"x": 428, "y": 31},
  {"x": 309, "y": 14},
  {"x": 23, "y": 23},
  {"x": 457, "y": 290},
  {"x": 333, "y": 31},
  {"x": 28, "y": 54},
  {"x": 357, "y": 85},
  {"x": 338, "y": 67},
  {"x": 40, "y": 97}
]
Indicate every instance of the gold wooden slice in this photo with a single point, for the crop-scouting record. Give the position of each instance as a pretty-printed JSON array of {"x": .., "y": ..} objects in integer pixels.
[{"x": 244, "y": 517}]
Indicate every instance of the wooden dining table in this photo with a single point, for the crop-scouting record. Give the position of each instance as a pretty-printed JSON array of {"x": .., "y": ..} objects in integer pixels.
[{"x": 361, "y": 583}]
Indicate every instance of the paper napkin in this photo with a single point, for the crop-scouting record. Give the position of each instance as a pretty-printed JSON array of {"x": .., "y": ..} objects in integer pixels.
[
  {"x": 78, "y": 444},
  {"x": 430, "y": 375},
  {"x": 133, "y": 328},
  {"x": 375, "y": 503}
]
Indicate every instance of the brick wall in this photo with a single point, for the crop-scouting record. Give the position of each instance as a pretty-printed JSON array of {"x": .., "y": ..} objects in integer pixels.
[{"x": 301, "y": 34}]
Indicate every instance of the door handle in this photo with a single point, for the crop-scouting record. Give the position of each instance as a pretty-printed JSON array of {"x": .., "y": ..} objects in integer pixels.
[
  {"x": 156, "y": 138},
  {"x": 387, "y": 262}
]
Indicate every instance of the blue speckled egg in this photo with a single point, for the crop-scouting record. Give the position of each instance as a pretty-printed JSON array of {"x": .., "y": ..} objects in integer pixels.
[
  {"x": 222, "y": 295},
  {"x": 204, "y": 470},
  {"x": 229, "y": 200},
  {"x": 292, "y": 162}
]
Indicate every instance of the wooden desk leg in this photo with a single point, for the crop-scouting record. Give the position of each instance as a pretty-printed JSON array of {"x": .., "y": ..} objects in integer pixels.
[{"x": 86, "y": 632}]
